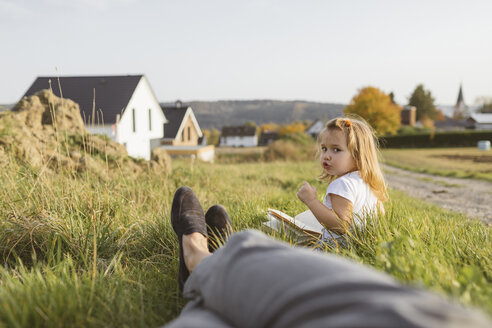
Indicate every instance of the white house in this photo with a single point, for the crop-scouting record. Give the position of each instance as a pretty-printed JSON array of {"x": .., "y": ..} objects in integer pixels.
[
  {"x": 121, "y": 107},
  {"x": 239, "y": 136},
  {"x": 480, "y": 121},
  {"x": 315, "y": 128}
]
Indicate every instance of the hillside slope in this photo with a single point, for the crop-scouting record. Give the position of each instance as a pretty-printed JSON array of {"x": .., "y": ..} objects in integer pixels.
[{"x": 236, "y": 112}]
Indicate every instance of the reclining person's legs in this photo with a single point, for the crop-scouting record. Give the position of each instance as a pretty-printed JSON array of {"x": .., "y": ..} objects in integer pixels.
[{"x": 254, "y": 281}]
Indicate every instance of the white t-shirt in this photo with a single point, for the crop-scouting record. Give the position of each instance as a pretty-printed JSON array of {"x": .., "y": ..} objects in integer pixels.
[{"x": 351, "y": 187}]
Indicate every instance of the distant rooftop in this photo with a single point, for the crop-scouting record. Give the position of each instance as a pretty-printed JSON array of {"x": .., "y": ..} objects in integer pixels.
[
  {"x": 482, "y": 117},
  {"x": 243, "y": 131},
  {"x": 174, "y": 115}
]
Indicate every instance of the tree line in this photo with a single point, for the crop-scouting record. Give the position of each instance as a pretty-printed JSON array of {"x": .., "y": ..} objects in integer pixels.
[{"x": 378, "y": 108}]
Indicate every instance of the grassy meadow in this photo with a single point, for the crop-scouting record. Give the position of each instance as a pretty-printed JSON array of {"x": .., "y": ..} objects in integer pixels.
[
  {"x": 80, "y": 250},
  {"x": 454, "y": 162}
]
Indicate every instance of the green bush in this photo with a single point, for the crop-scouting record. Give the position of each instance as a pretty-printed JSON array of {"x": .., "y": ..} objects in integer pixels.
[
  {"x": 406, "y": 129},
  {"x": 431, "y": 140}
]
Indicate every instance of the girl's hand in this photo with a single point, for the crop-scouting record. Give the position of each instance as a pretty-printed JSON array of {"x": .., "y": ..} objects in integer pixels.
[{"x": 307, "y": 193}]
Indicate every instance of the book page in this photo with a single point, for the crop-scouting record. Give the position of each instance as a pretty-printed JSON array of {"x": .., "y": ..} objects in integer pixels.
[
  {"x": 305, "y": 221},
  {"x": 310, "y": 221},
  {"x": 279, "y": 225}
]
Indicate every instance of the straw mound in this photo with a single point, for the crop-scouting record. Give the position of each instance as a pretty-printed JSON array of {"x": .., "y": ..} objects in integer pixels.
[
  {"x": 46, "y": 112},
  {"x": 44, "y": 130},
  {"x": 160, "y": 160}
]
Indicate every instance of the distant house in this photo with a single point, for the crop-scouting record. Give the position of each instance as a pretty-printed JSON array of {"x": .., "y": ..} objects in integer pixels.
[
  {"x": 408, "y": 115},
  {"x": 122, "y": 107},
  {"x": 449, "y": 124},
  {"x": 183, "y": 136},
  {"x": 182, "y": 127},
  {"x": 267, "y": 137},
  {"x": 315, "y": 128},
  {"x": 239, "y": 136},
  {"x": 479, "y": 121}
]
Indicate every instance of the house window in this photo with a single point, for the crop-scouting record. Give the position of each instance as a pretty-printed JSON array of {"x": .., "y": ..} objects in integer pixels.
[
  {"x": 183, "y": 135},
  {"x": 189, "y": 134},
  {"x": 150, "y": 119},
  {"x": 133, "y": 120}
]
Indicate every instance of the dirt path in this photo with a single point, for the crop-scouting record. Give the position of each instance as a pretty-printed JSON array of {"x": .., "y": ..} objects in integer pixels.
[{"x": 471, "y": 197}]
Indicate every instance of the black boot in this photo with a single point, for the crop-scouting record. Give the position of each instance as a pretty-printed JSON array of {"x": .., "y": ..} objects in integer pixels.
[
  {"x": 219, "y": 226},
  {"x": 186, "y": 217}
]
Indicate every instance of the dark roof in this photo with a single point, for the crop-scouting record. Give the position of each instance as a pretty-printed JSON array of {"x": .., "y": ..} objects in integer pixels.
[
  {"x": 112, "y": 93},
  {"x": 242, "y": 131},
  {"x": 174, "y": 117},
  {"x": 267, "y": 137},
  {"x": 450, "y": 124},
  {"x": 269, "y": 134}
]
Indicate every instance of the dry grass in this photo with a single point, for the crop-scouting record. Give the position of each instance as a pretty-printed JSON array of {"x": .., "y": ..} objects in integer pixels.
[
  {"x": 80, "y": 251},
  {"x": 457, "y": 162}
]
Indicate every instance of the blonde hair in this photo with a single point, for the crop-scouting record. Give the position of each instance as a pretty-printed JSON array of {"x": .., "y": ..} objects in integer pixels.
[{"x": 364, "y": 148}]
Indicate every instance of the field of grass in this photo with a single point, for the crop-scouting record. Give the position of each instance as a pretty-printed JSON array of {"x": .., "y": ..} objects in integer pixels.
[
  {"x": 83, "y": 251},
  {"x": 454, "y": 162}
]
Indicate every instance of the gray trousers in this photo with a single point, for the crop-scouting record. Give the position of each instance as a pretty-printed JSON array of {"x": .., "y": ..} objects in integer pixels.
[{"x": 255, "y": 281}]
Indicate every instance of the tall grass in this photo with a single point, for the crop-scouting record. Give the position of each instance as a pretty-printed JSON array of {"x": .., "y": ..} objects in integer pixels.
[
  {"x": 427, "y": 246},
  {"x": 81, "y": 250}
]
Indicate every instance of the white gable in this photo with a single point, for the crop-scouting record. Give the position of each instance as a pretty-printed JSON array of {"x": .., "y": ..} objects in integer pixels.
[
  {"x": 142, "y": 120},
  {"x": 189, "y": 113},
  {"x": 315, "y": 128}
]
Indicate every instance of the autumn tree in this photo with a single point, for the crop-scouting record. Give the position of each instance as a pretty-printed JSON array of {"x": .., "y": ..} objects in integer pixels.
[
  {"x": 296, "y": 127},
  {"x": 377, "y": 109},
  {"x": 270, "y": 127},
  {"x": 213, "y": 136},
  {"x": 424, "y": 102},
  {"x": 440, "y": 115}
]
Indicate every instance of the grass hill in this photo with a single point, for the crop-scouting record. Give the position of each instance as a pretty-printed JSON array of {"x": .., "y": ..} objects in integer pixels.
[
  {"x": 215, "y": 114},
  {"x": 81, "y": 251}
]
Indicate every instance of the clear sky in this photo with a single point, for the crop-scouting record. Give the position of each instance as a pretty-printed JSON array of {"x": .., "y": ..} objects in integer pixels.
[{"x": 253, "y": 49}]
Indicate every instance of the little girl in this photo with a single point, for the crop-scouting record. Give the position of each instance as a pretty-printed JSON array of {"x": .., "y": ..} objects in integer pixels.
[{"x": 348, "y": 156}]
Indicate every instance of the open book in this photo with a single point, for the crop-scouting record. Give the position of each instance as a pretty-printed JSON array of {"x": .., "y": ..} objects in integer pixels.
[{"x": 303, "y": 225}]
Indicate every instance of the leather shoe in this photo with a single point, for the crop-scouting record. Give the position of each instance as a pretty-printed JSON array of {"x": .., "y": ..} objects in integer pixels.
[
  {"x": 219, "y": 226},
  {"x": 186, "y": 217}
]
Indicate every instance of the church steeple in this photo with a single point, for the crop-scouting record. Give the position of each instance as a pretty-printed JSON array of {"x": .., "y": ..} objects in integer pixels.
[
  {"x": 460, "y": 100},
  {"x": 460, "y": 109}
]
